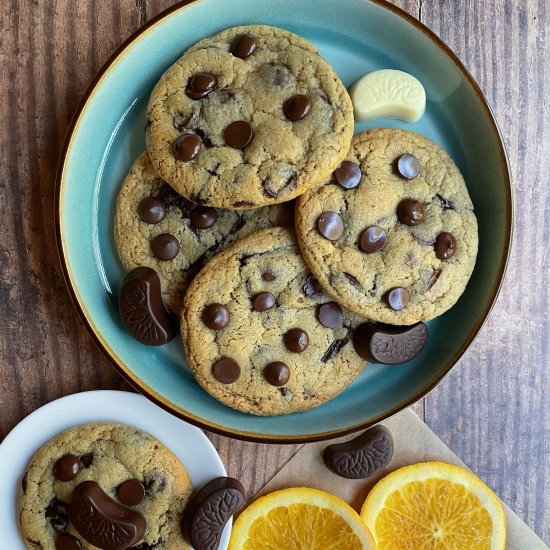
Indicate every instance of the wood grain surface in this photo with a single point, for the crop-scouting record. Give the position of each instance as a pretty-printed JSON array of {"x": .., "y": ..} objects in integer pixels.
[{"x": 493, "y": 411}]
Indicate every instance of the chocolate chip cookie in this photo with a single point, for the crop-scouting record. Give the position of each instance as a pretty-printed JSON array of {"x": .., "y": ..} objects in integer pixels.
[
  {"x": 248, "y": 117},
  {"x": 157, "y": 228},
  {"x": 102, "y": 482},
  {"x": 259, "y": 333},
  {"x": 391, "y": 234}
]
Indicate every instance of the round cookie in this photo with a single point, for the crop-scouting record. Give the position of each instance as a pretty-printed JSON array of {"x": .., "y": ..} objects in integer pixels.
[
  {"x": 392, "y": 234},
  {"x": 199, "y": 232},
  {"x": 259, "y": 334},
  {"x": 243, "y": 132},
  {"x": 109, "y": 454}
]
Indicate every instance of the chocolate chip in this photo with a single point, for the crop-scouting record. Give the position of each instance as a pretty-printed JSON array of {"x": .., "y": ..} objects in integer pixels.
[
  {"x": 57, "y": 514},
  {"x": 87, "y": 460},
  {"x": 263, "y": 301},
  {"x": 445, "y": 245},
  {"x": 142, "y": 309},
  {"x": 311, "y": 287},
  {"x": 389, "y": 345},
  {"x": 102, "y": 521},
  {"x": 238, "y": 134},
  {"x": 209, "y": 510},
  {"x": 131, "y": 492},
  {"x": 243, "y": 46},
  {"x": 67, "y": 542},
  {"x": 277, "y": 373},
  {"x": 360, "y": 457},
  {"x": 330, "y": 225},
  {"x": 408, "y": 166},
  {"x": 410, "y": 212},
  {"x": 226, "y": 371},
  {"x": 187, "y": 147},
  {"x": 215, "y": 316},
  {"x": 397, "y": 298},
  {"x": 200, "y": 85},
  {"x": 373, "y": 239},
  {"x": 151, "y": 210},
  {"x": 330, "y": 315},
  {"x": 268, "y": 277},
  {"x": 297, "y": 107},
  {"x": 66, "y": 468},
  {"x": 348, "y": 174},
  {"x": 433, "y": 279},
  {"x": 296, "y": 340},
  {"x": 204, "y": 217},
  {"x": 165, "y": 247}
]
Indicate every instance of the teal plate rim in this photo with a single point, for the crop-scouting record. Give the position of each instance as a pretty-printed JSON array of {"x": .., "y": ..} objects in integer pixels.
[{"x": 154, "y": 396}]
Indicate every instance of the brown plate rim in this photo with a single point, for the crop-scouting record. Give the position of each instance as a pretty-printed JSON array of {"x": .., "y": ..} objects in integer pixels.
[{"x": 258, "y": 437}]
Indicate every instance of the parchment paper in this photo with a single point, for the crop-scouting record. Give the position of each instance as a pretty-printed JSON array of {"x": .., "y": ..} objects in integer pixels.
[{"x": 413, "y": 442}]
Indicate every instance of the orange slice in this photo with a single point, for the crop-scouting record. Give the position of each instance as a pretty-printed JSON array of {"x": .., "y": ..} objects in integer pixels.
[
  {"x": 434, "y": 506},
  {"x": 300, "y": 519}
]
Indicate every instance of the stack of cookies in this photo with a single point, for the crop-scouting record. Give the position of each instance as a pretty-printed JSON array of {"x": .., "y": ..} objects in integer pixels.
[{"x": 280, "y": 302}]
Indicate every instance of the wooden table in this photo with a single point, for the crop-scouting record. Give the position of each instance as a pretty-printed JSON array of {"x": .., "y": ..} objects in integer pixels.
[{"x": 493, "y": 410}]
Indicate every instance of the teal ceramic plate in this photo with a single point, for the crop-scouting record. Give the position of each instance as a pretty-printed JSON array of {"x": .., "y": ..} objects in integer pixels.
[{"x": 355, "y": 36}]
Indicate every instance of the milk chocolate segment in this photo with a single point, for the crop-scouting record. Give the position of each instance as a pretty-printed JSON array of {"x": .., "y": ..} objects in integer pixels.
[
  {"x": 142, "y": 308},
  {"x": 102, "y": 521},
  {"x": 209, "y": 510},
  {"x": 360, "y": 457},
  {"x": 389, "y": 345}
]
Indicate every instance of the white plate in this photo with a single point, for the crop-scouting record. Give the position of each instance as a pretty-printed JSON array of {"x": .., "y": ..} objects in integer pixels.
[{"x": 188, "y": 443}]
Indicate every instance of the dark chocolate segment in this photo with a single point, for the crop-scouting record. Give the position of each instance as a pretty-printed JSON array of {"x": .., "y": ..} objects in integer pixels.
[
  {"x": 102, "y": 521},
  {"x": 361, "y": 457},
  {"x": 389, "y": 345},
  {"x": 142, "y": 308},
  {"x": 209, "y": 510}
]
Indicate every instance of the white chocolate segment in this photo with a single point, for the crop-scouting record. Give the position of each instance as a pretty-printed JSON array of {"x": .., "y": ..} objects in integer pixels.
[{"x": 388, "y": 93}]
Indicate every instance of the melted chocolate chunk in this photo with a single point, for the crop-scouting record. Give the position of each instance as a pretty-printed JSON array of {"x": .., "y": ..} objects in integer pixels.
[
  {"x": 335, "y": 347},
  {"x": 142, "y": 308},
  {"x": 389, "y": 345},
  {"x": 207, "y": 142},
  {"x": 173, "y": 200},
  {"x": 57, "y": 513},
  {"x": 433, "y": 279},
  {"x": 87, "y": 460},
  {"x": 311, "y": 287},
  {"x": 67, "y": 542},
  {"x": 226, "y": 95},
  {"x": 352, "y": 280},
  {"x": 446, "y": 204},
  {"x": 240, "y": 204},
  {"x": 102, "y": 521},
  {"x": 288, "y": 187},
  {"x": 209, "y": 510},
  {"x": 361, "y": 457},
  {"x": 24, "y": 481}
]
